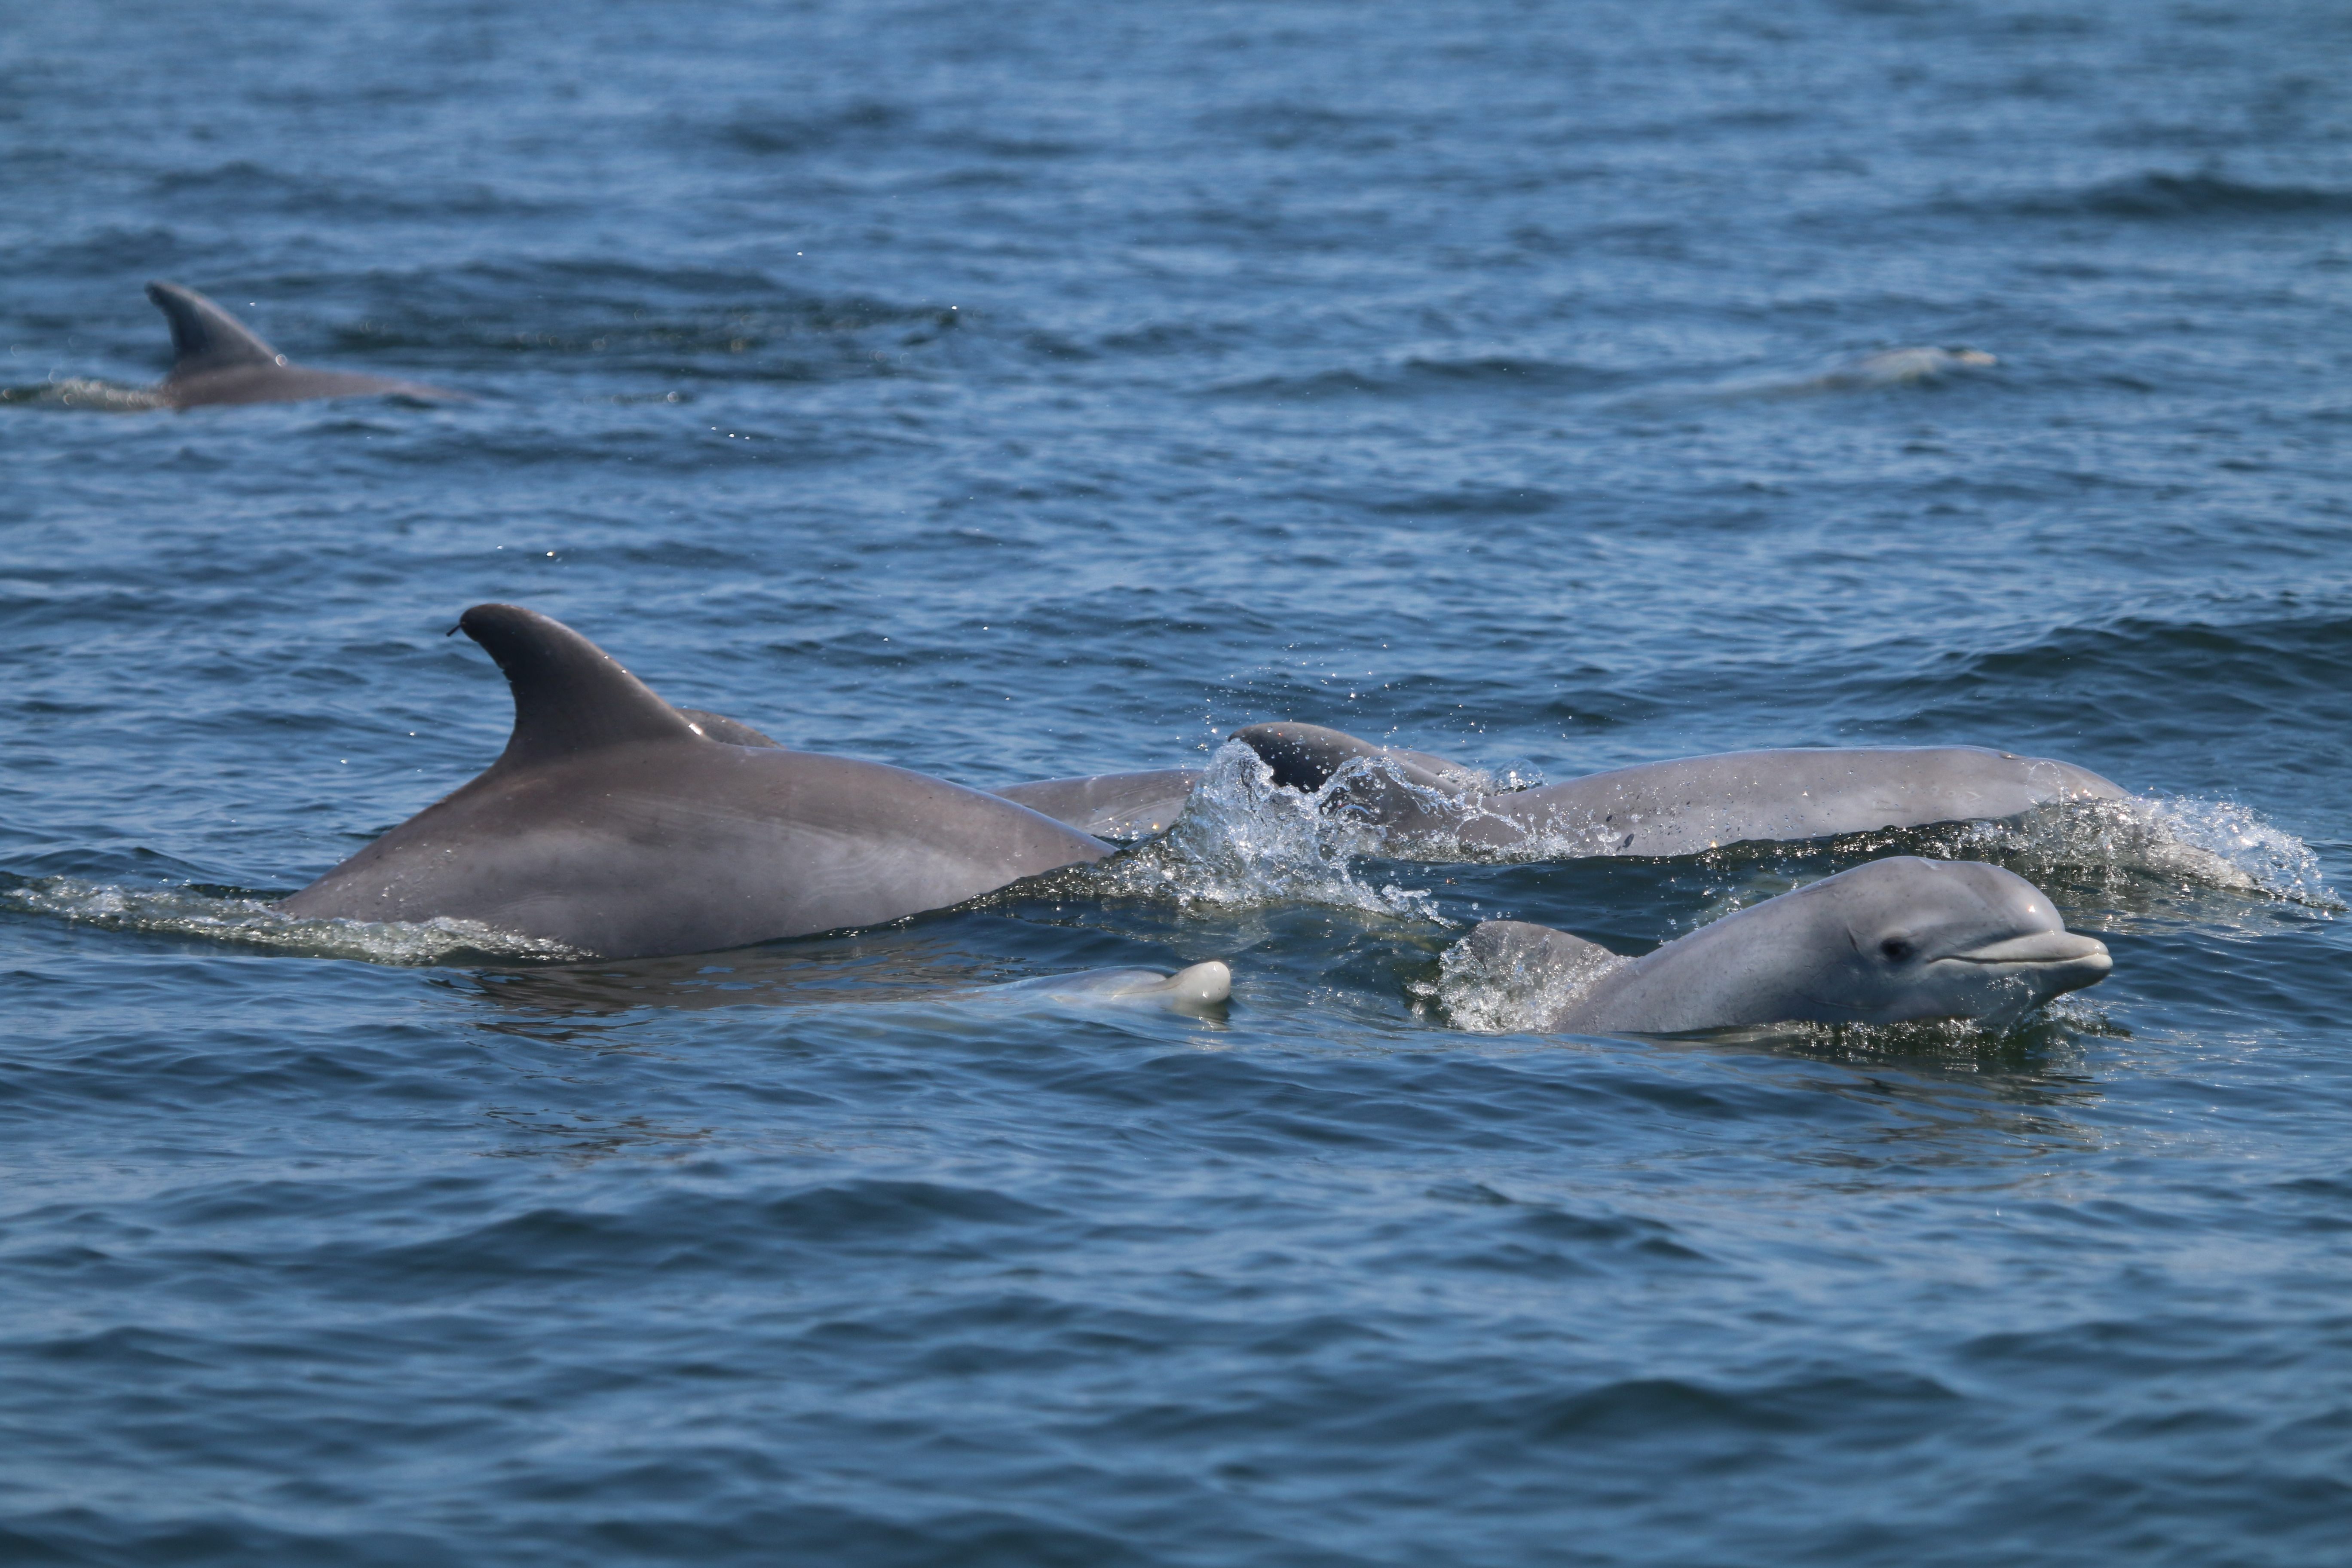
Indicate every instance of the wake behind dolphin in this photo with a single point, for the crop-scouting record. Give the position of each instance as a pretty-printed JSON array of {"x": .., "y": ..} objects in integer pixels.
[
  {"x": 615, "y": 825},
  {"x": 1889, "y": 941},
  {"x": 217, "y": 358}
]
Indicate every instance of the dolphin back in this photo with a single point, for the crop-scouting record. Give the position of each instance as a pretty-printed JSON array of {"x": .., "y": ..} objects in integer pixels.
[
  {"x": 217, "y": 358},
  {"x": 613, "y": 824}
]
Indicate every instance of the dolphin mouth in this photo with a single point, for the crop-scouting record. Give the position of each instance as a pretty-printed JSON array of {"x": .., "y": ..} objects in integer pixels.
[{"x": 2043, "y": 950}]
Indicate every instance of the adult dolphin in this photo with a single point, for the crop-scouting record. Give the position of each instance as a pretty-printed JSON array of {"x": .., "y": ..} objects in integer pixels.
[
  {"x": 219, "y": 358},
  {"x": 1890, "y": 941},
  {"x": 618, "y": 826},
  {"x": 1421, "y": 808}
]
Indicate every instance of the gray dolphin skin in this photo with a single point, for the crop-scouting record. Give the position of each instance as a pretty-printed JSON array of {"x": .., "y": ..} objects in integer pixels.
[
  {"x": 1424, "y": 808},
  {"x": 1107, "y": 805},
  {"x": 1888, "y": 941},
  {"x": 617, "y": 825},
  {"x": 216, "y": 359},
  {"x": 1112, "y": 805}
]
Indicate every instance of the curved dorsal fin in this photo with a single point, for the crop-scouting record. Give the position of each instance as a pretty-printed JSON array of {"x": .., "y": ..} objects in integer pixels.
[
  {"x": 570, "y": 695},
  {"x": 204, "y": 336}
]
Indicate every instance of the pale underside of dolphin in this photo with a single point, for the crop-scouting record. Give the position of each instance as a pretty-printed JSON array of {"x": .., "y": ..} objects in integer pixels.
[
  {"x": 618, "y": 826},
  {"x": 1890, "y": 941},
  {"x": 217, "y": 358},
  {"x": 1421, "y": 808}
]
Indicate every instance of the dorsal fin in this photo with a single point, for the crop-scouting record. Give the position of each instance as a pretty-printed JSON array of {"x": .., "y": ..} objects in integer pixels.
[
  {"x": 204, "y": 336},
  {"x": 570, "y": 695}
]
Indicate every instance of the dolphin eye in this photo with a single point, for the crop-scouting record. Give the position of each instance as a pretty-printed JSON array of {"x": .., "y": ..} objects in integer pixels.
[{"x": 1897, "y": 948}]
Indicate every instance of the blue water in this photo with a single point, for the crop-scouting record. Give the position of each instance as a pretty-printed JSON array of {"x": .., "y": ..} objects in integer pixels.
[{"x": 1009, "y": 392}]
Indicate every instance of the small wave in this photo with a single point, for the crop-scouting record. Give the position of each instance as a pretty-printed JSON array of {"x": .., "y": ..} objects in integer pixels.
[
  {"x": 254, "y": 922},
  {"x": 2192, "y": 843},
  {"x": 99, "y": 396},
  {"x": 1242, "y": 840},
  {"x": 1416, "y": 375},
  {"x": 2160, "y": 196}
]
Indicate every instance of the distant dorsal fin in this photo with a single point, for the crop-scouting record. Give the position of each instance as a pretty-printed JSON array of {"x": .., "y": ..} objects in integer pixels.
[
  {"x": 570, "y": 695},
  {"x": 204, "y": 336}
]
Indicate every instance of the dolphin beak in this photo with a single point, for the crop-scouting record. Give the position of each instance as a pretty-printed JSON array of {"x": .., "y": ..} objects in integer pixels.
[{"x": 2060, "y": 955}]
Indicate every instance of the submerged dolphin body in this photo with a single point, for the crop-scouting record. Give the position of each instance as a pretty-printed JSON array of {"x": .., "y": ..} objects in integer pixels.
[
  {"x": 217, "y": 358},
  {"x": 1424, "y": 808},
  {"x": 1189, "y": 990},
  {"x": 1888, "y": 941},
  {"x": 618, "y": 826}
]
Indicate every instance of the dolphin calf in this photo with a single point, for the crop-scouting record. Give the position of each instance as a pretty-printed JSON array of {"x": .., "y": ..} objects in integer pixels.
[
  {"x": 1189, "y": 990},
  {"x": 1421, "y": 808},
  {"x": 1890, "y": 941},
  {"x": 619, "y": 826}
]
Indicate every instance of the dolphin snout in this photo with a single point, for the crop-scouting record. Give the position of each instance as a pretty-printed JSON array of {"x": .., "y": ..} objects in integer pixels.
[
  {"x": 2082, "y": 956},
  {"x": 2049, "y": 960}
]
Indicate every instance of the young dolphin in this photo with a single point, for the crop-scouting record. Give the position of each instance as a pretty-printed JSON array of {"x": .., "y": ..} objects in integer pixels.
[
  {"x": 217, "y": 358},
  {"x": 1194, "y": 989},
  {"x": 618, "y": 826},
  {"x": 1425, "y": 808},
  {"x": 1894, "y": 939}
]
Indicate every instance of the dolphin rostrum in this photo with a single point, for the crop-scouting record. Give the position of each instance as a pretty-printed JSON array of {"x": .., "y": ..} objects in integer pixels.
[
  {"x": 215, "y": 358},
  {"x": 619, "y": 826},
  {"x": 1424, "y": 808},
  {"x": 1887, "y": 941}
]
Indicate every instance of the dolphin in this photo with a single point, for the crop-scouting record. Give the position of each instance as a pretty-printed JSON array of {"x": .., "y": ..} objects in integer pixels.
[
  {"x": 1421, "y": 808},
  {"x": 620, "y": 827},
  {"x": 1890, "y": 941},
  {"x": 216, "y": 358},
  {"x": 1189, "y": 990}
]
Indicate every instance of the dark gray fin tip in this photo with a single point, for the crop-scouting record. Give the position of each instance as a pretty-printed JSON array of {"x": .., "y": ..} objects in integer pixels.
[
  {"x": 718, "y": 727},
  {"x": 571, "y": 697},
  {"x": 1302, "y": 756},
  {"x": 204, "y": 336}
]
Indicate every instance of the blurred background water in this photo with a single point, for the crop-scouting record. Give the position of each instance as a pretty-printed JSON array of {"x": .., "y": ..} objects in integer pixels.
[{"x": 1032, "y": 390}]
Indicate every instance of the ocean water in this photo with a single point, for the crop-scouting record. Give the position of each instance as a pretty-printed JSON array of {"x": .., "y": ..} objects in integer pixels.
[{"x": 1042, "y": 389}]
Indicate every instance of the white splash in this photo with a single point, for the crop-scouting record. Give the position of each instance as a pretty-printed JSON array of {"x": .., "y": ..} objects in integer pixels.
[
  {"x": 251, "y": 922},
  {"x": 2189, "y": 842},
  {"x": 1503, "y": 993},
  {"x": 73, "y": 391},
  {"x": 1244, "y": 841}
]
